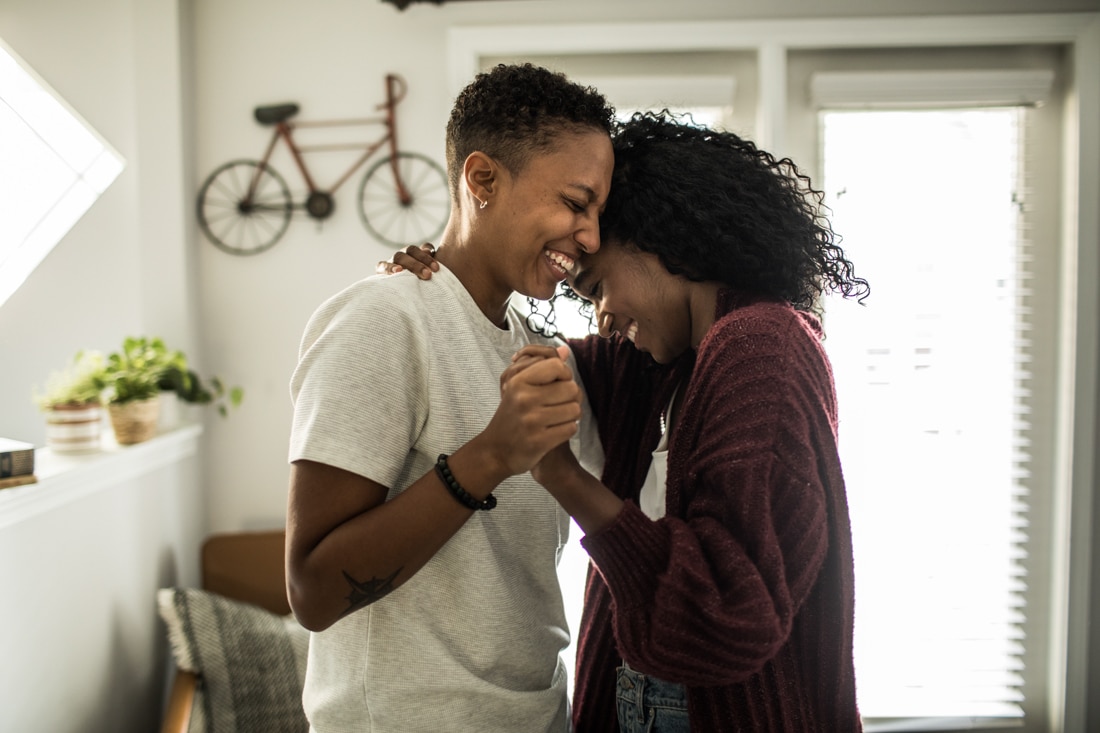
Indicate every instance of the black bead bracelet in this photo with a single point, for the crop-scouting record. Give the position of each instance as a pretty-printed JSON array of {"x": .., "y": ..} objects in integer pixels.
[{"x": 460, "y": 494}]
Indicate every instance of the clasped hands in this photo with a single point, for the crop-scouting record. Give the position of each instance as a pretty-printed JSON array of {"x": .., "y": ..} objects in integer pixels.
[{"x": 540, "y": 406}]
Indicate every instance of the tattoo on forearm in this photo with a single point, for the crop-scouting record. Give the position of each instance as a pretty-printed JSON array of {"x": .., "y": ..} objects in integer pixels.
[{"x": 366, "y": 593}]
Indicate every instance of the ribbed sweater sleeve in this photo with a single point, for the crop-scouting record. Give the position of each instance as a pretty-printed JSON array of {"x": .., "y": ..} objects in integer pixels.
[{"x": 745, "y": 586}]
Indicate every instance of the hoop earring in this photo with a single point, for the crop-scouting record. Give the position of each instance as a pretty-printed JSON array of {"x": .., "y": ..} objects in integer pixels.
[{"x": 483, "y": 204}]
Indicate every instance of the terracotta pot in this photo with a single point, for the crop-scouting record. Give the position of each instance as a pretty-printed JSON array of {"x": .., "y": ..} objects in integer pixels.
[
  {"x": 75, "y": 428},
  {"x": 136, "y": 421}
]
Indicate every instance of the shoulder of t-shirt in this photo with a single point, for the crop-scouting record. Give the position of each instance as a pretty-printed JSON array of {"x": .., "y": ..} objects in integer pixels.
[{"x": 393, "y": 294}]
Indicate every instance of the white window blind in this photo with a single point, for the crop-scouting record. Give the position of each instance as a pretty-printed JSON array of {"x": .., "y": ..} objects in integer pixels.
[
  {"x": 932, "y": 378},
  {"x": 927, "y": 89},
  {"x": 708, "y": 98}
]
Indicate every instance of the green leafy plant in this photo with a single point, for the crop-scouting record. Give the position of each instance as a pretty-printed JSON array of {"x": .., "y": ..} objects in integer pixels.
[
  {"x": 146, "y": 367},
  {"x": 134, "y": 373},
  {"x": 142, "y": 369},
  {"x": 190, "y": 387},
  {"x": 81, "y": 382}
]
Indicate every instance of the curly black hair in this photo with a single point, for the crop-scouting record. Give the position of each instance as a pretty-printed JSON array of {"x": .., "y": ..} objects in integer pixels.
[
  {"x": 514, "y": 111},
  {"x": 712, "y": 206}
]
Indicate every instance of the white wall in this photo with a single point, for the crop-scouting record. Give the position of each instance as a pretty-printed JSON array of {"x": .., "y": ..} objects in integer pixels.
[
  {"x": 136, "y": 264},
  {"x": 82, "y": 646}
]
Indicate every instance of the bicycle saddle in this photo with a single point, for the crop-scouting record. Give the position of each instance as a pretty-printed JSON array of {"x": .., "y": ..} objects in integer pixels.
[{"x": 275, "y": 113}]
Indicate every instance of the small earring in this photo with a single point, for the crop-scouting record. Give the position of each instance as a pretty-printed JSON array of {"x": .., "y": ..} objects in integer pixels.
[
  {"x": 483, "y": 204},
  {"x": 605, "y": 322}
]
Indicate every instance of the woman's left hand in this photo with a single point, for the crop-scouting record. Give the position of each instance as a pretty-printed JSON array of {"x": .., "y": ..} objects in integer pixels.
[
  {"x": 557, "y": 467},
  {"x": 419, "y": 260}
]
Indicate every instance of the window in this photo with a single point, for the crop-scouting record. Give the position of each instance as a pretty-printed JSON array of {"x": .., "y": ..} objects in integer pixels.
[
  {"x": 55, "y": 167},
  {"x": 932, "y": 379},
  {"x": 708, "y": 98}
]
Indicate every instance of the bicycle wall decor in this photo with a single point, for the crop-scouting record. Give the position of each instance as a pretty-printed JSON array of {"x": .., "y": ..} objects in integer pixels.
[{"x": 244, "y": 207}]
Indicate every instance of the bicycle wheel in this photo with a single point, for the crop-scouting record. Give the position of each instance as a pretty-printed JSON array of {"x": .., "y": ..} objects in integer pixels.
[
  {"x": 422, "y": 217},
  {"x": 239, "y": 224}
]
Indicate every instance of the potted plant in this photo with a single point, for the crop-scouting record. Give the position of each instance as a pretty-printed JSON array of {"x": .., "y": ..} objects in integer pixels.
[
  {"x": 140, "y": 379},
  {"x": 132, "y": 382},
  {"x": 71, "y": 400}
]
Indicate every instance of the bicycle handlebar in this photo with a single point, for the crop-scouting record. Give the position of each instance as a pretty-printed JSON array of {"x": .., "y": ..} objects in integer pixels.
[{"x": 392, "y": 98}]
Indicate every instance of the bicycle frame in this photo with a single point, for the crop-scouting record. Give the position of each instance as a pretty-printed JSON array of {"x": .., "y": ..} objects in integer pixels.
[
  {"x": 245, "y": 206},
  {"x": 284, "y": 130}
]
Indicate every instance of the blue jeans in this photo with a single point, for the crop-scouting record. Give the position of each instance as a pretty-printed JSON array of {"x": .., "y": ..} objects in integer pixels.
[{"x": 649, "y": 705}]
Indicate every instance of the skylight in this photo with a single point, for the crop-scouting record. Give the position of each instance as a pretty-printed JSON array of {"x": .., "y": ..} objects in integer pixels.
[{"x": 53, "y": 167}]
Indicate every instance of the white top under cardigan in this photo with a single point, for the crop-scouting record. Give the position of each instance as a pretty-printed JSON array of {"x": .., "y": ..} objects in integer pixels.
[{"x": 652, "y": 498}]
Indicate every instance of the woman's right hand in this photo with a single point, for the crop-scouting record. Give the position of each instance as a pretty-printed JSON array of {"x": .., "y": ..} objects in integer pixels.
[
  {"x": 417, "y": 259},
  {"x": 540, "y": 404},
  {"x": 581, "y": 494},
  {"x": 559, "y": 463}
]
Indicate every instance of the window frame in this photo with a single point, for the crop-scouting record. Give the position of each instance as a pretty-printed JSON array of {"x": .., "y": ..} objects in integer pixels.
[{"x": 1077, "y": 422}]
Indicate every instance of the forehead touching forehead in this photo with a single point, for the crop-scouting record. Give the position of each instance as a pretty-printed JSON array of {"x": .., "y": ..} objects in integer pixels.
[{"x": 592, "y": 266}]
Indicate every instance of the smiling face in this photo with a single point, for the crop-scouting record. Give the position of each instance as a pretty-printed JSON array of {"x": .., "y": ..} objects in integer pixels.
[
  {"x": 634, "y": 295},
  {"x": 547, "y": 216}
]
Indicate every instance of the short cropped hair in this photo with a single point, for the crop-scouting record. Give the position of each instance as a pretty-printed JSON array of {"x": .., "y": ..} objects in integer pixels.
[{"x": 514, "y": 111}]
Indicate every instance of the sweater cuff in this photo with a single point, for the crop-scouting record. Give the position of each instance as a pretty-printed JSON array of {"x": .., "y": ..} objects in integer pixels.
[{"x": 630, "y": 554}]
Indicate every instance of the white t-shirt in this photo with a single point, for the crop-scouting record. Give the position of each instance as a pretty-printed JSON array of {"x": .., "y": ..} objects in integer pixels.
[{"x": 392, "y": 372}]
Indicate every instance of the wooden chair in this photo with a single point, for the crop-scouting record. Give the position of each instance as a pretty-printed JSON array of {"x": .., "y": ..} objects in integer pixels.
[{"x": 244, "y": 566}]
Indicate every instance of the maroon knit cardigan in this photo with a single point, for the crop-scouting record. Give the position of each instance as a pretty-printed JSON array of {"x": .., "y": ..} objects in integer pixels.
[{"x": 743, "y": 592}]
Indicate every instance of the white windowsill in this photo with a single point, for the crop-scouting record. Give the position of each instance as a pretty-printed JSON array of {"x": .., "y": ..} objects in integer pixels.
[
  {"x": 63, "y": 479},
  {"x": 929, "y": 724}
]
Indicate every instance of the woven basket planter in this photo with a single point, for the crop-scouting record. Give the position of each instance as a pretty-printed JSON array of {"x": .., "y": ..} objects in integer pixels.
[{"x": 135, "y": 422}]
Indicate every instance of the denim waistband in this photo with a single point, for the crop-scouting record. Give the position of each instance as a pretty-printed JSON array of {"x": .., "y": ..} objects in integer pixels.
[{"x": 647, "y": 690}]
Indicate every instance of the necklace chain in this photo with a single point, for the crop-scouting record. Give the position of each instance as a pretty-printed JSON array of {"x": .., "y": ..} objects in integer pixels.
[{"x": 668, "y": 408}]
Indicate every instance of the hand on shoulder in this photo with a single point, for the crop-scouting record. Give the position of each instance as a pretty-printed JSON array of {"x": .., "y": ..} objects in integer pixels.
[{"x": 417, "y": 259}]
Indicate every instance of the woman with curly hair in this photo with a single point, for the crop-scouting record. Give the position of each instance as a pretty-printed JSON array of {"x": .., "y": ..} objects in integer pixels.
[
  {"x": 434, "y": 608},
  {"x": 720, "y": 589},
  {"x": 721, "y": 551}
]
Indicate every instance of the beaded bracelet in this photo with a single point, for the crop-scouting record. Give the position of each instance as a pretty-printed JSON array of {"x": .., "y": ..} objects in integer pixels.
[{"x": 460, "y": 494}]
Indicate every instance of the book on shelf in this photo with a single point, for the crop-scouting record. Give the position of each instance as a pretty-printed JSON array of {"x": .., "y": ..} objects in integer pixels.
[
  {"x": 16, "y": 458},
  {"x": 11, "y": 481}
]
